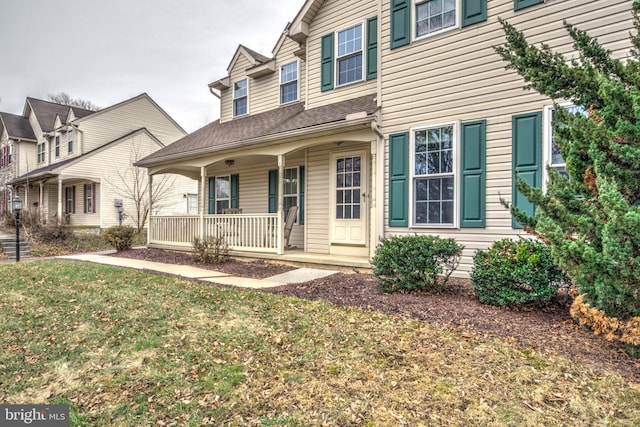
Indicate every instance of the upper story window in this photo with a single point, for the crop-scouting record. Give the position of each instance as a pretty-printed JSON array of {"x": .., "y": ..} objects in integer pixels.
[
  {"x": 433, "y": 16},
  {"x": 57, "y": 146},
  {"x": 434, "y": 177},
  {"x": 70, "y": 141},
  {"x": 289, "y": 82},
  {"x": 240, "y": 97},
  {"x": 41, "y": 152},
  {"x": 349, "y": 57}
]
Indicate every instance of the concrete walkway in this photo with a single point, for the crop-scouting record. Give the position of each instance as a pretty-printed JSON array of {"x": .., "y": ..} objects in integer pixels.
[{"x": 299, "y": 275}]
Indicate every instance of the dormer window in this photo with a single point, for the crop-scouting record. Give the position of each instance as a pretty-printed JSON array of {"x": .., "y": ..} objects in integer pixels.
[
  {"x": 41, "y": 152},
  {"x": 349, "y": 59},
  {"x": 70, "y": 140},
  {"x": 57, "y": 146},
  {"x": 240, "y": 97},
  {"x": 289, "y": 82}
]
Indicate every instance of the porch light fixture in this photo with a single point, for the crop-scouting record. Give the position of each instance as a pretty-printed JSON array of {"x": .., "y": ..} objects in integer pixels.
[
  {"x": 229, "y": 162},
  {"x": 17, "y": 207}
]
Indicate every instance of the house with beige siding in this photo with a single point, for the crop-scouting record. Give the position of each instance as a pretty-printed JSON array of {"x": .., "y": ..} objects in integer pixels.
[
  {"x": 377, "y": 118},
  {"x": 75, "y": 166}
]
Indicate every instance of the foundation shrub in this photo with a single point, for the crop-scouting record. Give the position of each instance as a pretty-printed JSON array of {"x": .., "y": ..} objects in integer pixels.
[
  {"x": 210, "y": 250},
  {"x": 119, "y": 237},
  {"x": 512, "y": 273},
  {"x": 414, "y": 263}
]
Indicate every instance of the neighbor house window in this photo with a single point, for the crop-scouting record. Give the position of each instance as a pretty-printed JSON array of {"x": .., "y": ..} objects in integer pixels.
[
  {"x": 434, "y": 175},
  {"x": 349, "y": 58},
  {"x": 192, "y": 204},
  {"x": 89, "y": 198},
  {"x": 57, "y": 146},
  {"x": 240, "y": 97},
  {"x": 433, "y": 16},
  {"x": 9, "y": 154},
  {"x": 289, "y": 82},
  {"x": 41, "y": 152},
  {"x": 70, "y": 140},
  {"x": 70, "y": 200},
  {"x": 290, "y": 189},
  {"x": 223, "y": 193}
]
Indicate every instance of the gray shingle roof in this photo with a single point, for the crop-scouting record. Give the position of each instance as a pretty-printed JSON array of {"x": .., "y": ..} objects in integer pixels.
[
  {"x": 257, "y": 56},
  {"x": 46, "y": 112},
  {"x": 17, "y": 126},
  {"x": 217, "y": 136}
]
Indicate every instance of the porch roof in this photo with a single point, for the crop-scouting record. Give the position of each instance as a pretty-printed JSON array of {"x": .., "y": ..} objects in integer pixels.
[{"x": 262, "y": 127}]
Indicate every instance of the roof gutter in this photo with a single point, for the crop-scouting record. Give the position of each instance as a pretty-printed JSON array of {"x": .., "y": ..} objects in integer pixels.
[{"x": 259, "y": 140}]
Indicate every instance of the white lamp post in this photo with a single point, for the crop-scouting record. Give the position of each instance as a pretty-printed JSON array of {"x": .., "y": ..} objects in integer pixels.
[{"x": 17, "y": 207}]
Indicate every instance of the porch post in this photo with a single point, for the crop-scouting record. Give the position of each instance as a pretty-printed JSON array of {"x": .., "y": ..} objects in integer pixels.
[
  {"x": 150, "y": 178},
  {"x": 280, "y": 219},
  {"x": 60, "y": 220},
  {"x": 41, "y": 204},
  {"x": 203, "y": 200}
]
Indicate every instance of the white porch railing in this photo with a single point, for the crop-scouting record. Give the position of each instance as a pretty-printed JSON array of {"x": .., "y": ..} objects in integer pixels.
[{"x": 244, "y": 232}]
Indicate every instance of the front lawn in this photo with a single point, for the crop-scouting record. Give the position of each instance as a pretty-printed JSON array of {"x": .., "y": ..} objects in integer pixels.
[{"x": 127, "y": 348}]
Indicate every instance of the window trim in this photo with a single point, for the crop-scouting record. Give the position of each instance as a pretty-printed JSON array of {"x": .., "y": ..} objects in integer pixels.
[
  {"x": 57, "y": 146},
  {"x": 218, "y": 199},
  {"x": 70, "y": 136},
  {"x": 70, "y": 199},
  {"x": 41, "y": 152},
  {"x": 337, "y": 58},
  {"x": 292, "y": 195},
  {"x": 297, "y": 81},
  {"x": 190, "y": 197},
  {"x": 234, "y": 98},
  {"x": 456, "y": 176},
  {"x": 89, "y": 198},
  {"x": 414, "y": 21}
]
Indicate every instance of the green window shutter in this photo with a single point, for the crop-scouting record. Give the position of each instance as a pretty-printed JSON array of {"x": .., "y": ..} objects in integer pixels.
[
  {"x": 521, "y": 4},
  {"x": 399, "y": 180},
  {"x": 273, "y": 191},
  {"x": 526, "y": 157},
  {"x": 301, "y": 197},
  {"x": 473, "y": 160},
  {"x": 212, "y": 195},
  {"x": 400, "y": 23},
  {"x": 326, "y": 70},
  {"x": 372, "y": 48},
  {"x": 473, "y": 11},
  {"x": 235, "y": 191}
]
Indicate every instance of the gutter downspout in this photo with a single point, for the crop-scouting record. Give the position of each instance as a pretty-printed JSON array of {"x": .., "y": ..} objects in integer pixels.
[{"x": 217, "y": 95}]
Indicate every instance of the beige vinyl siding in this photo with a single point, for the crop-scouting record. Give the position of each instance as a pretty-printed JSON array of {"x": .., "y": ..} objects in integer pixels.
[
  {"x": 337, "y": 15},
  {"x": 457, "y": 76},
  {"x": 104, "y": 127},
  {"x": 317, "y": 196}
]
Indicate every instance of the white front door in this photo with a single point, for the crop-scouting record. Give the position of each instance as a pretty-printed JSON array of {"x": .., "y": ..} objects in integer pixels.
[{"x": 349, "y": 201}]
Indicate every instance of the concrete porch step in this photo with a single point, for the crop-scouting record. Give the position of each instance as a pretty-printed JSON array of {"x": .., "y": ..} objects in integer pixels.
[{"x": 8, "y": 245}]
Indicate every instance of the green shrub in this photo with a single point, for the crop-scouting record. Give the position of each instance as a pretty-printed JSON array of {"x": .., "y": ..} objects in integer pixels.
[
  {"x": 210, "y": 249},
  {"x": 409, "y": 263},
  {"x": 516, "y": 272},
  {"x": 120, "y": 237}
]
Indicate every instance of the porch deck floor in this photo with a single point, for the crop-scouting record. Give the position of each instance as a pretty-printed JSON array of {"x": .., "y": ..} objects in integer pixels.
[{"x": 300, "y": 257}]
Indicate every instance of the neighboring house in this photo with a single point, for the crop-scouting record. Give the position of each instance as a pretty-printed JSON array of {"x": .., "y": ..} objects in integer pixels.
[
  {"x": 75, "y": 166},
  {"x": 378, "y": 118}
]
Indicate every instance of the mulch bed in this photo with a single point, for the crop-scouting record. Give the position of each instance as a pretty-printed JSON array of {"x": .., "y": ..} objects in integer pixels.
[{"x": 549, "y": 329}]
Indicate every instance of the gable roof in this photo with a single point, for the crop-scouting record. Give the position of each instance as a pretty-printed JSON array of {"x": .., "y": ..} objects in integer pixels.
[
  {"x": 263, "y": 127},
  {"x": 46, "y": 112},
  {"x": 299, "y": 28},
  {"x": 17, "y": 127}
]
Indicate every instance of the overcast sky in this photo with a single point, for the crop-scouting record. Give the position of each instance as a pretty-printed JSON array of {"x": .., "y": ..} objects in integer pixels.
[{"x": 110, "y": 51}]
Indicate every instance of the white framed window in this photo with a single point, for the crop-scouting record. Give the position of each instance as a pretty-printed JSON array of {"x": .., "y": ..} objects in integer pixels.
[
  {"x": 57, "y": 146},
  {"x": 435, "y": 16},
  {"x": 41, "y": 152},
  {"x": 289, "y": 82},
  {"x": 89, "y": 198},
  {"x": 240, "y": 98},
  {"x": 291, "y": 189},
  {"x": 551, "y": 151},
  {"x": 350, "y": 56},
  {"x": 433, "y": 175},
  {"x": 223, "y": 193},
  {"x": 70, "y": 141},
  {"x": 70, "y": 200},
  {"x": 192, "y": 204}
]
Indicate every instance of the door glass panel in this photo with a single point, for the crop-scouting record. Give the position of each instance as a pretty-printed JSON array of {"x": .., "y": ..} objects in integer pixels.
[{"x": 348, "y": 180}]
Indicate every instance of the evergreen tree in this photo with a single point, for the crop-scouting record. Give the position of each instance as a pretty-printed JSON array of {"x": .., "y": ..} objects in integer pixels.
[{"x": 592, "y": 219}]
